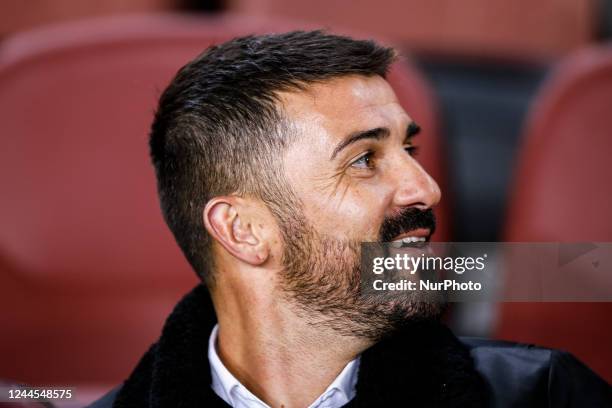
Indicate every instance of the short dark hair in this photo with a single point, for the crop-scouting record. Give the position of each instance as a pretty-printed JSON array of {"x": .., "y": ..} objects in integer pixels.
[{"x": 219, "y": 130}]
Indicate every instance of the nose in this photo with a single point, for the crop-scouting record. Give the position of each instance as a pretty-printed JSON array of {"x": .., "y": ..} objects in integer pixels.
[{"x": 415, "y": 187}]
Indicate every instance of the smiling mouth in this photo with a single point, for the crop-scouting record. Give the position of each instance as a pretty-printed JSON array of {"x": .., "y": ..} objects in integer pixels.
[{"x": 416, "y": 238}]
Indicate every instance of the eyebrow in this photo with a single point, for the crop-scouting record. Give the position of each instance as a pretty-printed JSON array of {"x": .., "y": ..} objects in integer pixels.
[{"x": 377, "y": 134}]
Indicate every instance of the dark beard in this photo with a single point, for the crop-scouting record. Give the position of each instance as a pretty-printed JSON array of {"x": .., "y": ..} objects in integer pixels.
[
  {"x": 407, "y": 220},
  {"x": 322, "y": 277}
]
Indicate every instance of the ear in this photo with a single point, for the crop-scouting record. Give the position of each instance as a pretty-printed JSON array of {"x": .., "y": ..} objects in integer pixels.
[{"x": 229, "y": 221}]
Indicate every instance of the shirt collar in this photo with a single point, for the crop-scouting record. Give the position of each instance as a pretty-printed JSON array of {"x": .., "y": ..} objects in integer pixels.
[{"x": 225, "y": 384}]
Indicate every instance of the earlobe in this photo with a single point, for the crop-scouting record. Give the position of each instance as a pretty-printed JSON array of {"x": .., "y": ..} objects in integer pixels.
[{"x": 227, "y": 222}]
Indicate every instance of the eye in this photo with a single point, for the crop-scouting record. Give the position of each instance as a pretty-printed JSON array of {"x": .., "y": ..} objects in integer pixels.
[
  {"x": 412, "y": 150},
  {"x": 364, "y": 162}
]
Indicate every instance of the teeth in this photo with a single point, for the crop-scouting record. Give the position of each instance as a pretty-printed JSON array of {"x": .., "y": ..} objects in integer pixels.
[{"x": 408, "y": 240}]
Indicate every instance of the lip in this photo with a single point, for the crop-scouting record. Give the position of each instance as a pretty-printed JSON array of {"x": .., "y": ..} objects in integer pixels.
[{"x": 419, "y": 233}]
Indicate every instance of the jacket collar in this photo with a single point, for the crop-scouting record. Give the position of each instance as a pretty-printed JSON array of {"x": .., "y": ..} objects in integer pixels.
[{"x": 424, "y": 365}]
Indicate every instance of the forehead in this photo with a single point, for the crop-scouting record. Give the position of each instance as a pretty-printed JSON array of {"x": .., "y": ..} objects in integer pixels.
[{"x": 334, "y": 108}]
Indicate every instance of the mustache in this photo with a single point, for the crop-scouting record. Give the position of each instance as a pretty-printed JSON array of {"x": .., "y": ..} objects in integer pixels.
[{"x": 409, "y": 219}]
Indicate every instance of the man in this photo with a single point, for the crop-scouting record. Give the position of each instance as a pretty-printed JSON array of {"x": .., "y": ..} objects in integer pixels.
[{"x": 276, "y": 156}]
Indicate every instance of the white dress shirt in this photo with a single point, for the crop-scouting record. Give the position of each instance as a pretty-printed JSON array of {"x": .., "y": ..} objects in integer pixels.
[{"x": 226, "y": 386}]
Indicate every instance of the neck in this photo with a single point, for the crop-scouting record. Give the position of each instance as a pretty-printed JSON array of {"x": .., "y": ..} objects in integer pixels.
[{"x": 281, "y": 357}]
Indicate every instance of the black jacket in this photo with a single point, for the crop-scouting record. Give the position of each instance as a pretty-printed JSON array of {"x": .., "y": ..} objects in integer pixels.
[{"x": 422, "y": 366}]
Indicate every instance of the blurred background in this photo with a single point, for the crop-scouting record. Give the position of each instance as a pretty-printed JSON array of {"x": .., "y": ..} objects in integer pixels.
[{"x": 515, "y": 98}]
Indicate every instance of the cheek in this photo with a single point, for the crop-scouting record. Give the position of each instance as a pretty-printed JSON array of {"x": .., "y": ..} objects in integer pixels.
[{"x": 356, "y": 213}]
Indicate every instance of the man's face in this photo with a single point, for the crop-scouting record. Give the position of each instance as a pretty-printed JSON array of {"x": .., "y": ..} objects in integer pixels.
[
  {"x": 351, "y": 169},
  {"x": 351, "y": 163}
]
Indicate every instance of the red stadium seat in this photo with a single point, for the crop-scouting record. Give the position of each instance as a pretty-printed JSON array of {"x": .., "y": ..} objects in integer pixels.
[
  {"x": 563, "y": 193},
  {"x": 521, "y": 29},
  {"x": 17, "y": 15},
  {"x": 88, "y": 270}
]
